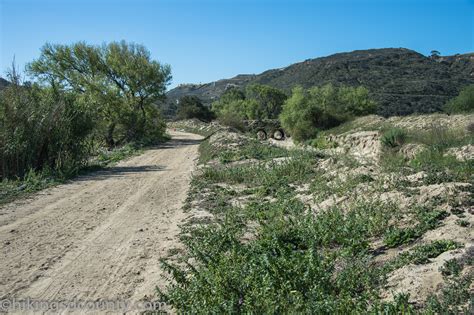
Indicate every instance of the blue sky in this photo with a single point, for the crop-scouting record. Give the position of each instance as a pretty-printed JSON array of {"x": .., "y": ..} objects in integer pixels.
[{"x": 208, "y": 40}]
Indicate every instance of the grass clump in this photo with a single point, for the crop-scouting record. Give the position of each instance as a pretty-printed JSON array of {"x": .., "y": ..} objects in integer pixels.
[
  {"x": 252, "y": 150},
  {"x": 451, "y": 268},
  {"x": 439, "y": 166},
  {"x": 393, "y": 137},
  {"x": 462, "y": 223},
  {"x": 248, "y": 149},
  {"x": 321, "y": 142},
  {"x": 107, "y": 157}
]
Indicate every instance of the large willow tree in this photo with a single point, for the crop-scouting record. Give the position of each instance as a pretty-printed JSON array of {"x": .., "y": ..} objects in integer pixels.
[{"x": 119, "y": 82}]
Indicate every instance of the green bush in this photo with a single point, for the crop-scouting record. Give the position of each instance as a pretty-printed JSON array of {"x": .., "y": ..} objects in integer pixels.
[
  {"x": 257, "y": 103},
  {"x": 463, "y": 103},
  {"x": 286, "y": 269},
  {"x": 321, "y": 142},
  {"x": 451, "y": 268},
  {"x": 308, "y": 111},
  {"x": 41, "y": 128},
  {"x": 395, "y": 237},
  {"x": 427, "y": 220},
  {"x": 191, "y": 107},
  {"x": 393, "y": 137},
  {"x": 266, "y": 102}
]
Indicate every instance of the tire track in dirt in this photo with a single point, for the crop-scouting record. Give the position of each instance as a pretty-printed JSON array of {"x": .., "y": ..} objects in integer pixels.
[{"x": 100, "y": 236}]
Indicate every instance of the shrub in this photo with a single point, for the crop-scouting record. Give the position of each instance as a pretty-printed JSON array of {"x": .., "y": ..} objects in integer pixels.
[
  {"x": 451, "y": 268},
  {"x": 258, "y": 102},
  {"x": 41, "y": 128},
  {"x": 321, "y": 142},
  {"x": 393, "y": 137},
  {"x": 268, "y": 101},
  {"x": 463, "y": 103},
  {"x": 308, "y": 111},
  {"x": 231, "y": 113},
  {"x": 191, "y": 107},
  {"x": 395, "y": 237}
]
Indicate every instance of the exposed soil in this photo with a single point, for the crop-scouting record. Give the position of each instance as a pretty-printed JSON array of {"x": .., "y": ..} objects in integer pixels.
[{"x": 100, "y": 236}]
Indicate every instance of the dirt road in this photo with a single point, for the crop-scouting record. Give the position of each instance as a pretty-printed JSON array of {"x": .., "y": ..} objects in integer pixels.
[{"x": 100, "y": 236}]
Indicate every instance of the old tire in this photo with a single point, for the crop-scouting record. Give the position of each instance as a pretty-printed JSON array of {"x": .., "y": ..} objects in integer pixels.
[
  {"x": 261, "y": 135},
  {"x": 278, "y": 135}
]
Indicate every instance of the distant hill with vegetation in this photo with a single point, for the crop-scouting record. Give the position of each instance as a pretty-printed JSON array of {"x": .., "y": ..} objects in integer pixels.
[{"x": 402, "y": 81}]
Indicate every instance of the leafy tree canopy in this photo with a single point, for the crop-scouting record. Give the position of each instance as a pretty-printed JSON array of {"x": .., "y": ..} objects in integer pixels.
[
  {"x": 258, "y": 102},
  {"x": 308, "y": 111},
  {"x": 119, "y": 80},
  {"x": 268, "y": 101},
  {"x": 192, "y": 107}
]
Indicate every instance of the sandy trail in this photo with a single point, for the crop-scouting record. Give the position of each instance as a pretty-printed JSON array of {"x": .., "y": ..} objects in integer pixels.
[{"x": 100, "y": 236}]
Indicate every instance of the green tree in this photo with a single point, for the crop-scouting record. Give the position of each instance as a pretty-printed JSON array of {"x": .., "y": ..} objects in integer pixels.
[
  {"x": 231, "y": 108},
  {"x": 232, "y": 94},
  {"x": 435, "y": 54},
  {"x": 268, "y": 101},
  {"x": 356, "y": 101},
  {"x": 119, "y": 80},
  {"x": 258, "y": 102},
  {"x": 308, "y": 111},
  {"x": 192, "y": 107},
  {"x": 229, "y": 96},
  {"x": 233, "y": 113},
  {"x": 463, "y": 103}
]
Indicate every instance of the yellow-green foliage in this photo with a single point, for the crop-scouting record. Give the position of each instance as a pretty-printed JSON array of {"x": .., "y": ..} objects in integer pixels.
[
  {"x": 85, "y": 95},
  {"x": 463, "y": 103},
  {"x": 120, "y": 80},
  {"x": 308, "y": 111},
  {"x": 258, "y": 102}
]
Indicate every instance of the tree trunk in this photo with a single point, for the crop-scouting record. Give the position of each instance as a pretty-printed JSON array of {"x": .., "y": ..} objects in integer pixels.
[{"x": 110, "y": 136}]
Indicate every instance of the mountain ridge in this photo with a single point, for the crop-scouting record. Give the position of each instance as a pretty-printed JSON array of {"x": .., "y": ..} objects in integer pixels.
[{"x": 401, "y": 80}]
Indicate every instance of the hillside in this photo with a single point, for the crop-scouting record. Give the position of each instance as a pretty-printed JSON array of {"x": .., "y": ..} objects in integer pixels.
[{"x": 401, "y": 80}]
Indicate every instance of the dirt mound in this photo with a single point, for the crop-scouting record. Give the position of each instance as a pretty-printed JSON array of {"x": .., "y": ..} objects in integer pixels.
[
  {"x": 463, "y": 153},
  {"x": 423, "y": 122},
  {"x": 363, "y": 145},
  {"x": 195, "y": 126}
]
